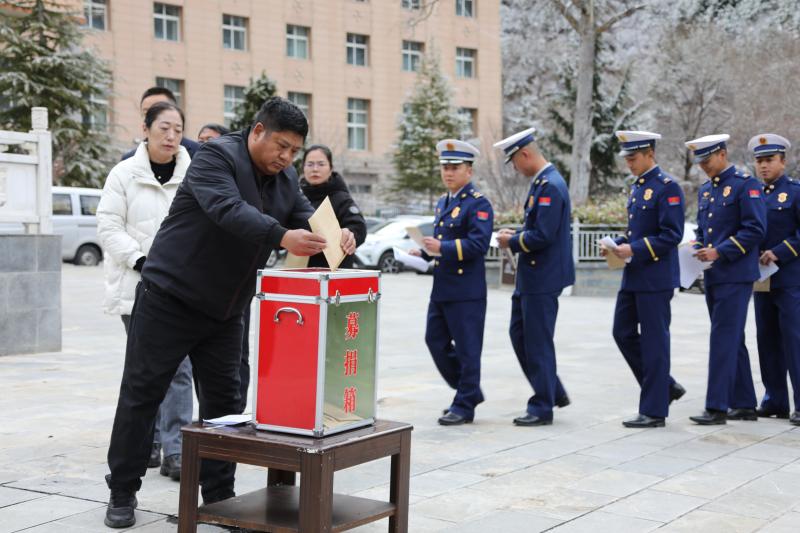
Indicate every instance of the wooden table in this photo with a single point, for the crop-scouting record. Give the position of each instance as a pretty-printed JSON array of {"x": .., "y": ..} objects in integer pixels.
[{"x": 281, "y": 506}]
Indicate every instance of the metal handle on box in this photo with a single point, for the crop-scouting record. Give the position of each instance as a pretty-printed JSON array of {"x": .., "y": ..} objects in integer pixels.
[{"x": 288, "y": 310}]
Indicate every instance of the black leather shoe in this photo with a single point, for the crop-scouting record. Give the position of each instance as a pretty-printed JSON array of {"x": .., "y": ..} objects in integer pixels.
[
  {"x": 121, "y": 505},
  {"x": 795, "y": 418},
  {"x": 532, "y": 420},
  {"x": 742, "y": 414},
  {"x": 171, "y": 467},
  {"x": 766, "y": 412},
  {"x": 710, "y": 418},
  {"x": 155, "y": 456},
  {"x": 452, "y": 419},
  {"x": 563, "y": 401},
  {"x": 644, "y": 421},
  {"x": 676, "y": 392}
]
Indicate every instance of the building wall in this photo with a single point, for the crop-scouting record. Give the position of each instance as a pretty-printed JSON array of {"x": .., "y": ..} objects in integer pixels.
[{"x": 205, "y": 67}]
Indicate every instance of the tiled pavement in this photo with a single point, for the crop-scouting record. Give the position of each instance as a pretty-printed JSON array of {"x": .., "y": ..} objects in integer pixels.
[{"x": 585, "y": 473}]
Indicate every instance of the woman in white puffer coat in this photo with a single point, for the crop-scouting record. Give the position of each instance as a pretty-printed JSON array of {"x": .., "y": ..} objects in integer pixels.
[{"x": 136, "y": 198}]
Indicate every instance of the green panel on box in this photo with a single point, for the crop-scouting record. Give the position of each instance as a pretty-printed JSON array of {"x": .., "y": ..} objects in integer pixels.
[{"x": 350, "y": 355}]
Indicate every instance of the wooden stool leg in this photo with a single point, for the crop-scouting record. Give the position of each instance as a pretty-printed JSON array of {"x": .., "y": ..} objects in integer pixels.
[
  {"x": 316, "y": 492},
  {"x": 398, "y": 492},
  {"x": 190, "y": 481},
  {"x": 277, "y": 477}
]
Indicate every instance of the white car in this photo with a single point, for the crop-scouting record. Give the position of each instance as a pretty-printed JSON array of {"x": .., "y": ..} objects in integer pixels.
[{"x": 377, "y": 249}]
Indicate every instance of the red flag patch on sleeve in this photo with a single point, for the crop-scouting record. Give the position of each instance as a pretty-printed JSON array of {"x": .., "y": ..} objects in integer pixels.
[
  {"x": 674, "y": 200},
  {"x": 483, "y": 215},
  {"x": 754, "y": 193},
  {"x": 544, "y": 200}
]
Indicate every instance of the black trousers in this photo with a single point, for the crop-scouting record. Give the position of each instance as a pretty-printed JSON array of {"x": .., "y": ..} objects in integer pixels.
[{"x": 162, "y": 331}]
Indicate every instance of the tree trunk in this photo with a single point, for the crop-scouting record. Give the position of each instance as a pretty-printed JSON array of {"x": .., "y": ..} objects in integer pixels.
[{"x": 582, "y": 123}]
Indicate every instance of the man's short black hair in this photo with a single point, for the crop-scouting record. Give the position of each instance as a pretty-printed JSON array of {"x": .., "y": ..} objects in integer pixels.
[
  {"x": 278, "y": 114},
  {"x": 159, "y": 90}
]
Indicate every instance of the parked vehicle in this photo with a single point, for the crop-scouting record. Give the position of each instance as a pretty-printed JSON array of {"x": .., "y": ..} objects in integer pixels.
[
  {"x": 377, "y": 250},
  {"x": 74, "y": 219},
  {"x": 373, "y": 223}
]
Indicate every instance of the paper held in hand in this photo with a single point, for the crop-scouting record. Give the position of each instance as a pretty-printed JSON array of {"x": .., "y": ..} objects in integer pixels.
[
  {"x": 417, "y": 236},
  {"x": 324, "y": 223},
  {"x": 690, "y": 266},
  {"x": 411, "y": 261},
  {"x": 612, "y": 260},
  {"x": 764, "y": 272}
]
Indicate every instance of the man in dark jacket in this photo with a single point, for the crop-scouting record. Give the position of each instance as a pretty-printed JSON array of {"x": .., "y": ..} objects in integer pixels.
[
  {"x": 237, "y": 203},
  {"x": 152, "y": 96}
]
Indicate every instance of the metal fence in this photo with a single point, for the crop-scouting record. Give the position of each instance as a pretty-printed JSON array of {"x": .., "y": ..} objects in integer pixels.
[{"x": 585, "y": 237}]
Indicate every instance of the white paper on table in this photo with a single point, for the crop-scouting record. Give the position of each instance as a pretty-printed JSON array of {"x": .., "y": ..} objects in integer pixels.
[
  {"x": 229, "y": 420},
  {"x": 493, "y": 241},
  {"x": 766, "y": 271},
  {"x": 417, "y": 236},
  {"x": 412, "y": 261},
  {"x": 690, "y": 266}
]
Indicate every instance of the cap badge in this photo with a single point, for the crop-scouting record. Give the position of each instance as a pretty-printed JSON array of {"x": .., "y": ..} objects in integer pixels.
[
  {"x": 762, "y": 140},
  {"x": 451, "y": 146},
  {"x": 692, "y": 147},
  {"x": 623, "y": 138}
]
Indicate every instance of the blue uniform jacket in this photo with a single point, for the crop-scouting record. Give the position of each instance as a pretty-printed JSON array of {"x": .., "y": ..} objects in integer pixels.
[
  {"x": 782, "y": 199},
  {"x": 465, "y": 229},
  {"x": 655, "y": 228},
  {"x": 544, "y": 244},
  {"x": 731, "y": 217}
]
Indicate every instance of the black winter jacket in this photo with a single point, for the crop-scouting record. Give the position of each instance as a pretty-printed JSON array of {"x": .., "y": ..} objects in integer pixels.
[
  {"x": 221, "y": 227},
  {"x": 347, "y": 213}
]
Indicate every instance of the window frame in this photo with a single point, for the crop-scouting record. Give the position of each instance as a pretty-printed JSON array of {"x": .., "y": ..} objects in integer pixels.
[
  {"x": 411, "y": 5},
  {"x": 90, "y": 7},
  {"x": 304, "y": 107},
  {"x": 356, "y": 49},
  {"x": 296, "y": 38},
  {"x": 412, "y": 58},
  {"x": 354, "y": 126},
  {"x": 164, "y": 19},
  {"x": 177, "y": 90},
  {"x": 463, "y": 60},
  {"x": 461, "y": 8},
  {"x": 231, "y": 102},
  {"x": 232, "y": 29}
]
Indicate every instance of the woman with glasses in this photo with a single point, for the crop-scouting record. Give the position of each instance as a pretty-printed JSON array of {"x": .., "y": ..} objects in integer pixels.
[{"x": 319, "y": 181}]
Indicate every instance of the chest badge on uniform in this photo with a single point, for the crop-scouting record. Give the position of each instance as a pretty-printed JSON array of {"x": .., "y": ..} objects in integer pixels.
[
  {"x": 782, "y": 197},
  {"x": 726, "y": 191},
  {"x": 705, "y": 194},
  {"x": 648, "y": 193},
  {"x": 456, "y": 211}
]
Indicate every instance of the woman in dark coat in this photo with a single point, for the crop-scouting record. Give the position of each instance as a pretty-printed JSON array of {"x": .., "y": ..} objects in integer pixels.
[{"x": 319, "y": 180}]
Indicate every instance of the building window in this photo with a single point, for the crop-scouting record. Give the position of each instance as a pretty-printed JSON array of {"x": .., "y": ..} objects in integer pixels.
[
  {"x": 167, "y": 22},
  {"x": 95, "y": 14},
  {"x": 412, "y": 55},
  {"x": 357, "y": 49},
  {"x": 357, "y": 122},
  {"x": 465, "y": 8},
  {"x": 465, "y": 62},
  {"x": 360, "y": 188},
  {"x": 234, "y": 96},
  {"x": 297, "y": 41},
  {"x": 301, "y": 100},
  {"x": 176, "y": 86},
  {"x": 469, "y": 117},
  {"x": 234, "y": 32},
  {"x": 410, "y": 4},
  {"x": 97, "y": 120}
]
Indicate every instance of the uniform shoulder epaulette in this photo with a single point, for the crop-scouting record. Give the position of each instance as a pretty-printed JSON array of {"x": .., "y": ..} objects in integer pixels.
[
  {"x": 544, "y": 180},
  {"x": 666, "y": 179},
  {"x": 476, "y": 194},
  {"x": 443, "y": 196},
  {"x": 794, "y": 182}
]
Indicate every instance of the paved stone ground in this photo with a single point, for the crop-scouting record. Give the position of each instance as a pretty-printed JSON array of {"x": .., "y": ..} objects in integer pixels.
[{"x": 584, "y": 473}]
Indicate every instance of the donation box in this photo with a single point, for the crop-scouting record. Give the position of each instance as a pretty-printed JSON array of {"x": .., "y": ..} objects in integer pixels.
[{"x": 316, "y": 349}]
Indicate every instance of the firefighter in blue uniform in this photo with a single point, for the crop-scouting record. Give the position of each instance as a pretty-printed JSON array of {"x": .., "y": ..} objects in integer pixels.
[
  {"x": 544, "y": 267},
  {"x": 731, "y": 219},
  {"x": 778, "y": 309},
  {"x": 457, "y": 310},
  {"x": 642, "y": 315}
]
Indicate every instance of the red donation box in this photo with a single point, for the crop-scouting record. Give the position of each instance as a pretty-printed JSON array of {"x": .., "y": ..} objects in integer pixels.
[{"x": 316, "y": 349}]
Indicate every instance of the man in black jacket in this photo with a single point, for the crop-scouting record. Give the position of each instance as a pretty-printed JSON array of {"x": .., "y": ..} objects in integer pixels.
[{"x": 237, "y": 203}]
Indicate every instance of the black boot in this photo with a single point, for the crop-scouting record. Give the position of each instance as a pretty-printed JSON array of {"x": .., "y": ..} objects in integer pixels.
[
  {"x": 155, "y": 456},
  {"x": 120, "y": 508},
  {"x": 171, "y": 467}
]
